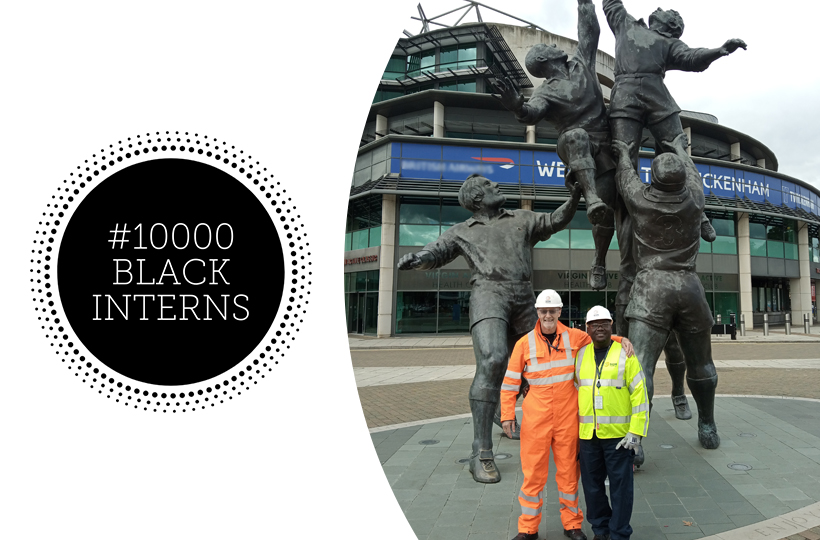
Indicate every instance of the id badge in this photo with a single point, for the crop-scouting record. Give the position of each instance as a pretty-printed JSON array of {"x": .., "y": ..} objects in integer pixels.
[{"x": 599, "y": 402}]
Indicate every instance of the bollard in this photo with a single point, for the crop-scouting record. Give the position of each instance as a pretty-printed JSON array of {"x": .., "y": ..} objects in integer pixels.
[
  {"x": 733, "y": 324},
  {"x": 765, "y": 324},
  {"x": 743, "y": 325},
  {"x": 806, "y": 328},
  {"x": 788, "y": 324}
]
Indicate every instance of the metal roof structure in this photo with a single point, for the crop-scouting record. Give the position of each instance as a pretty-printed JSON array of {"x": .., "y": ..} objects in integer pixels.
[{"x": 470, "y": 6}]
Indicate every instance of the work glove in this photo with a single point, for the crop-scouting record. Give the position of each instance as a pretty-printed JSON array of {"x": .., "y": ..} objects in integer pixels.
[{"x": 630, "y": 442}]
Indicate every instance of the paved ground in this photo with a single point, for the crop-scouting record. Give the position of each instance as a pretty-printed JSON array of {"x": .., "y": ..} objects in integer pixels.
[{"x": 413, "y": 395}]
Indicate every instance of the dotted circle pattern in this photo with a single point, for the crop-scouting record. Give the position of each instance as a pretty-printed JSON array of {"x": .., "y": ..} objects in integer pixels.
[{"x": 244, "y": 375}]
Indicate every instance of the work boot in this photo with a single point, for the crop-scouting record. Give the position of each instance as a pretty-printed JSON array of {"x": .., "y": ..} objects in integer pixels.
[
  {"x": 708, "y": 435},
  {"x": 639, "y": 458},
  {"x": 601, "y": 537},
  {"x": 483, "y": 468},
  {"x": 597, "y": 278},
  {"x": 575, "y": 534},
  {"x": 681, "y": 405},
  {"x": 526, "y": 536}
]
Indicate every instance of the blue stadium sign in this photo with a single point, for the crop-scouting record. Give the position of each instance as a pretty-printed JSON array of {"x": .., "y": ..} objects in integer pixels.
[{"x": 511, "y": 166}]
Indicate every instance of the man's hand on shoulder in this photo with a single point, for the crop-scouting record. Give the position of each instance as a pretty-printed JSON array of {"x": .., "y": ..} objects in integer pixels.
[{"x": 627, "y": 346}]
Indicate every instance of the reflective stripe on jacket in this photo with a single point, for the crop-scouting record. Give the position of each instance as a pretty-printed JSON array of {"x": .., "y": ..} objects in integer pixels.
[
  {"x": 546, "y": 367},
  {"x": 620, "y": 385}
]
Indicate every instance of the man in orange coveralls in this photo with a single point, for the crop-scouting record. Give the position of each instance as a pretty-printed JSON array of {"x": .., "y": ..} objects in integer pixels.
[{"x": 545, "y": 357}]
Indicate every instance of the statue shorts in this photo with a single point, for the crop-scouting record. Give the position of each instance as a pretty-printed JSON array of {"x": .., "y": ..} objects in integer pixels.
[
  {"x": 670, "y": 299},
  {"x": 511, "y": 301},
  {"x": 642, "y": 97}
]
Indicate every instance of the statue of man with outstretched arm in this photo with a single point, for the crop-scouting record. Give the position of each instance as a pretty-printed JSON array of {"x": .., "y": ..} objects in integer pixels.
[{"x": 497, "y": 244}]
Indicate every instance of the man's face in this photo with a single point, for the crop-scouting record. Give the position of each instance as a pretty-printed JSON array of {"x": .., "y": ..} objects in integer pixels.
[
  {"x": 600, "y": 332},
  {"x": 547, "y": 61},
  {"x": 549, "y": 319},
  {"x": 493, "y": 198}
]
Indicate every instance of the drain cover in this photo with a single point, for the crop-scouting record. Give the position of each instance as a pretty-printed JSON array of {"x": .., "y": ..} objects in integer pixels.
[
  {"x": 739, "y": 467},
  {"x": 748, "y": 435},
  {"x": 667, "y": 446},
  {"x": 503, "y": 456},
  {"x": 429, "y": 441}
]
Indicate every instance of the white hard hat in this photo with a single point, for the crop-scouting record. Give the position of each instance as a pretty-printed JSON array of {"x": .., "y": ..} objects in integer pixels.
[
  {"x": 547, "y": 299},
  {"x": 598, "y": 313}
]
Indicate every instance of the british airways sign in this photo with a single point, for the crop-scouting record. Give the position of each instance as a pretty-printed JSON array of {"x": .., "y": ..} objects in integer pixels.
[{"x": 533, "y": 167}]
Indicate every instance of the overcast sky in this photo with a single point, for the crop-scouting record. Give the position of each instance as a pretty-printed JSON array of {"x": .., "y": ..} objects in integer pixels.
[{"x": 769, "y": 92}]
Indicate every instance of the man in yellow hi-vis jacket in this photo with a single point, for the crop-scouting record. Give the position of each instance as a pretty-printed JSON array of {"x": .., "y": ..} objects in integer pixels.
[{"x": 613, "y": 415}]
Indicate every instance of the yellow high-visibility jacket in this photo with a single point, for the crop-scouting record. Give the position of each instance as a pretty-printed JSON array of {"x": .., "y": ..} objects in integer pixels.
[{"x": 620, "y": 384}]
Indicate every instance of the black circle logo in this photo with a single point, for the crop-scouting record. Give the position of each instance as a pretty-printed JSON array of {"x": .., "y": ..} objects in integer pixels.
[{"x": 170, "y": 272}]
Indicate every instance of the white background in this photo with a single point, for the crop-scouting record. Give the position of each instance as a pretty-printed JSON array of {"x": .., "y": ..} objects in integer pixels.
[
  {"x": 290, "y": 85},
  {"x": 292, "y": 88}
]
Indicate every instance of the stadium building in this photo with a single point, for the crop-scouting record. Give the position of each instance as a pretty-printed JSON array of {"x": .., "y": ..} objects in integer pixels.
[{"x": 433, "y": 123}]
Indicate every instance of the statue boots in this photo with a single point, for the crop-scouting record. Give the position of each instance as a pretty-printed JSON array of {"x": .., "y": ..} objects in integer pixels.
[
  {"x": 483, "y": 468},
  {"x": 681, "y": 405},
  {"x": 703, "y": 391},
  {"x": 602, "y": 236},
  {"x": 482, "y": 463}
]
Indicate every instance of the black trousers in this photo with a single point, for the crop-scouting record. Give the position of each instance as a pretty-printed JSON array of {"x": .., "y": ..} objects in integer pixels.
[{"x": 599, "y": 460}]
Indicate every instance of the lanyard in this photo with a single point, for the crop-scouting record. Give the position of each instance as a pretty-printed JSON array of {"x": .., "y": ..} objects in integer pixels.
[
  {"x": 599, "y": 368},
  {"x": 550, "y": 346}
]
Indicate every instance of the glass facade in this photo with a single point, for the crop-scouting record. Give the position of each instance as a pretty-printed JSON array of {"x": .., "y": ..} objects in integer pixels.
[
  {"x": 461, "y": 85},
  {"x": 726, "y": 241},
  {"x": 770, "y": 294},
  {"x": 396, "y": 68},
  {"x": 773, "y": 237},
  {"x": 362, "y": 301},
  {"x": 422, "y": 220},
  {"x": 450, "y": 58},
  {"x": 458, "y": 57},
  {"x": 364, "y": 225}
]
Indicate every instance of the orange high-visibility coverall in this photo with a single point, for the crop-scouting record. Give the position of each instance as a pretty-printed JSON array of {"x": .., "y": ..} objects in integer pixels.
[{"x": 550, "y": 419}]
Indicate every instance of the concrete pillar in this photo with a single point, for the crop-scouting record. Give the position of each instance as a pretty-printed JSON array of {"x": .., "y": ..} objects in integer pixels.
[
  {"x": 531, "y": 134},
  {"x": 526, "y": 204},
  {"x": 761, "y": 163},
  {"x": 438, "y": 119},
  {"x": 800, "y": 288},
  {"x": 688, "y": 132},
  {"x": 744, "y": 256},
  {"x": 381, "y": 126},
  {"x": 387, "y": 266},
  {"x": 735, "y": 151}
]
